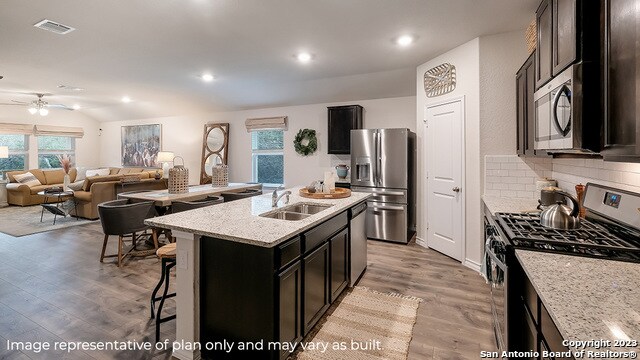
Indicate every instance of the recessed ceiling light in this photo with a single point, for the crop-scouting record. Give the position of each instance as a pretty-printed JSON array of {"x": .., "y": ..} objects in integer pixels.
[
  {"x": 207, "y": 77},
  {"x": 126, "y": 99},
  {"x": 304, "y": 57},
  {"x": 405, "y": 40},
  {"x": 76, "y": 107}
]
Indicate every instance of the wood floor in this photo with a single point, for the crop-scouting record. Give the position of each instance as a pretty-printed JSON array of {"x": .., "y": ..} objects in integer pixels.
[{"x": 53, "y": 288}]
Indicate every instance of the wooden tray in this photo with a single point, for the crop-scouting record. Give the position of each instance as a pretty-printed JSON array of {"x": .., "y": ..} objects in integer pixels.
[{"x": 338, "y": 193}]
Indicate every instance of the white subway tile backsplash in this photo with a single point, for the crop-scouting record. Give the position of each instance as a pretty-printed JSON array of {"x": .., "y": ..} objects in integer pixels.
[{"x": 516, "y": 176}]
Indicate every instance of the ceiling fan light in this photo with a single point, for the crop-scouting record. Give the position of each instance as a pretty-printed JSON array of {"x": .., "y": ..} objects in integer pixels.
[
  {"x": 32, "y": 110},
  {"x": 44, "y": 112}
]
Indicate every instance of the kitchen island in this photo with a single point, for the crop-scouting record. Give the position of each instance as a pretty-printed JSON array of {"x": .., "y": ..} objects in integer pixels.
[{"x": 243, "y": 277}]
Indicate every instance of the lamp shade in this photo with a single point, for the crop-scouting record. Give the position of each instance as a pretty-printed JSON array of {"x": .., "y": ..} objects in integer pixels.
[
  {"x": 4, "y": 152},
  {"x": 165, "y": 156}
]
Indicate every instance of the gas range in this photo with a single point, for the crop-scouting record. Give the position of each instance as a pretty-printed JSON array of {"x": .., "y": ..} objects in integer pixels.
[{"x": 596, "y": 237}]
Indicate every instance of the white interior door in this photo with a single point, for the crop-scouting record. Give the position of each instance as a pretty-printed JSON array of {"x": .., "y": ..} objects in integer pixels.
[{"x": 444, "y": 147}]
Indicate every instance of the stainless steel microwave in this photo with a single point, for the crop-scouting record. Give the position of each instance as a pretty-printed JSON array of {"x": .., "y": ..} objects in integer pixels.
[{"x": 567, "y": 112}]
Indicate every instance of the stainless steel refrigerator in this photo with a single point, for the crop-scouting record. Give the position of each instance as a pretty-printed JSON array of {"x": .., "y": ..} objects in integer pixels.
[{"x": 383, "y": 163}]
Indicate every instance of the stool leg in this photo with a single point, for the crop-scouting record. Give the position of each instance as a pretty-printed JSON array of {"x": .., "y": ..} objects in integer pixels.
[
  {"x": 120, "y": 245},
  {"x": 155, "y": 291},
  {"x": 104, "y": 247},
  {"x": 167, "y": 275},
  {"x": 154, "y": 234}
]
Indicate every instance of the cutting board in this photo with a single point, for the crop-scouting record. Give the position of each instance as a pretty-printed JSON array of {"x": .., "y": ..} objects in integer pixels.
[{"x": 338, "y": 193}]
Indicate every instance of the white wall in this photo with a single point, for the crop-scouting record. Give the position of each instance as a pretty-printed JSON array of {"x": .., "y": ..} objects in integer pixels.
[
  {"x": 485, "y": 74},
  {"x": 466, "y": 59},
  {"x": 183, "y": 135},
  {"x": 87, "y": 149}
]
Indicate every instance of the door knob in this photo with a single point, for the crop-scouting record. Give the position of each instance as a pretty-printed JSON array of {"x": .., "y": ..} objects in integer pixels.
[{"x": 456, "y": 189}]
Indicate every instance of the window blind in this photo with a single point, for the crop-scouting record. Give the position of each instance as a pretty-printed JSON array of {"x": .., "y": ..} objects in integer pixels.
[
  {"x": 51, "y": 130},
  {"x": 22, "y": 129},
  {"x": 279, "y": 123}
]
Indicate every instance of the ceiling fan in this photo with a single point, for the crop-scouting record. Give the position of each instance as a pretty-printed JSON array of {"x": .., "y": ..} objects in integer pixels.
[{"x": 39, "y": 106}]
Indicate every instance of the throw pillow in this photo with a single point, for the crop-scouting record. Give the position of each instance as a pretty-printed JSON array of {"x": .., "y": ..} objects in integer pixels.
[
  {"x": 76, "y": 186},
  {"x": 97, "y": 172},
  {"x": 81, "y": 173},
  {"x": 28, "y": 179}
]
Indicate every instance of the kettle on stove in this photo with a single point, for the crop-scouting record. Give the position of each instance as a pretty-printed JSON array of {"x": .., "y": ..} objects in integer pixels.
[{"x": 560, "y": 216}]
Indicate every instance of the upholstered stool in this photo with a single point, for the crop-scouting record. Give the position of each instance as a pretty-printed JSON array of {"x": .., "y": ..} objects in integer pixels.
[{"x": 167, "y": 254}]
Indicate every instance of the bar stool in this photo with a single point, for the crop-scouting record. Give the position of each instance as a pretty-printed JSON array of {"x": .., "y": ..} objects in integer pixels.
[{"x": 167, "y": 254}]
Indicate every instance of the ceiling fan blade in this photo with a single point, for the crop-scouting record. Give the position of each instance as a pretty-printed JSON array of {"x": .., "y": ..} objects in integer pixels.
[
  {"x": 21, "y": 102},
  {"x": 13, "y": 104},
  {"x": 59, "y": 106}
]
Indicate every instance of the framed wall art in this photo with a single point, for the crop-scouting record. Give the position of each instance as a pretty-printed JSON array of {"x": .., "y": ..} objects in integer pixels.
[{"x": 140, "y": 145}]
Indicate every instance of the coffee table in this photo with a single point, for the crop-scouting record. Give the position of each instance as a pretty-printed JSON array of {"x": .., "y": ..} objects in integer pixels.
[{"x": 55, "y": 208}]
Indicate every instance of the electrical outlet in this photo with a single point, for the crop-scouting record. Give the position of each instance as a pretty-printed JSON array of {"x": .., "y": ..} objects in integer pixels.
[{"x": 182, "y": 259}]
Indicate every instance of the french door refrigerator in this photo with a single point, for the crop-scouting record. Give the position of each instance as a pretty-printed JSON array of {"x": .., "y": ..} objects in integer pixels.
[{"x": 383, "y": 163}]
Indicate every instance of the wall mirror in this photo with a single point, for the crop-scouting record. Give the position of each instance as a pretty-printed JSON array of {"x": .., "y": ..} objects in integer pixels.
[{"x": 215, "y": 145}]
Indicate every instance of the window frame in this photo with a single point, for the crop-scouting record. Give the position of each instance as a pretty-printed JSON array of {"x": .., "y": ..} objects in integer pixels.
[
  {"x": 24, "y": 152},
  {"x": 71, "y": 153},
  {"x": 258, "y": 152}
]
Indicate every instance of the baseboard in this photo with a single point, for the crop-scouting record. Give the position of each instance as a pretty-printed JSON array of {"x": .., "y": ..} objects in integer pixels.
[
  {"x": 186, "y": 355},
  {"x": 471, "y": 265},
  {"x": 421, "y": 242}
]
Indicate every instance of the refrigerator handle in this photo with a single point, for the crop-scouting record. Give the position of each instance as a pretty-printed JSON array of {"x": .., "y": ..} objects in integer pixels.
[
  {"x": 374, "y": 163},
  {"x": 379, "y": 159}
]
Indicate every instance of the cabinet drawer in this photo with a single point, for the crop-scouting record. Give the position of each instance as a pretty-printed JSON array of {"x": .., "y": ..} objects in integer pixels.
[
  {"x": 323, "y": 232},
  {"x": 550, "y": 332},
  {"x": 530, "y": 298},
  {"x": 288, "y": 252}
]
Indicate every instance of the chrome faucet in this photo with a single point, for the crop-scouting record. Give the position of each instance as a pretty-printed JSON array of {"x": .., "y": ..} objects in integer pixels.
[{"x": 275, "y": 198}]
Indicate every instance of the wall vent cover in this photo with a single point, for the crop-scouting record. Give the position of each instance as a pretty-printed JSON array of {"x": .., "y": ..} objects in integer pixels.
[{"x": 54, "y": 27}]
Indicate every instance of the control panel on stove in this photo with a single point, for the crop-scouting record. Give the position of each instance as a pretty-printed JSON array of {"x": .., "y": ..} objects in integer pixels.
[{"x": 612, "y": 199}]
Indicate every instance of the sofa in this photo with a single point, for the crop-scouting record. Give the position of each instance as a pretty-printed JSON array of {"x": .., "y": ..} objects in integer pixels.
[{"x": 94, "y": 190}]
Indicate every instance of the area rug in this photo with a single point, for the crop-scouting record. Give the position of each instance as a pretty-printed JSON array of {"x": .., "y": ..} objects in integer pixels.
[
  {"x": 365, "y": 325},
  {"x": 20, "y": 221}
]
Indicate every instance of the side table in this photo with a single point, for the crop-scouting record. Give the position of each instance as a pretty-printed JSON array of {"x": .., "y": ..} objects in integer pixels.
[
  {"x": 57, "y": 208},
  {"x": 3, "y": 194}
]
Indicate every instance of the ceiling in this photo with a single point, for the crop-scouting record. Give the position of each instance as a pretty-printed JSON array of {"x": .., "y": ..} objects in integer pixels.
[{"x": 154, "y": 51}]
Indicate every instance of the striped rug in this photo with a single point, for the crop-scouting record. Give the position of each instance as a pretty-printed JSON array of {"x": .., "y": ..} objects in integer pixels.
[{"x": 365, "y": 325}]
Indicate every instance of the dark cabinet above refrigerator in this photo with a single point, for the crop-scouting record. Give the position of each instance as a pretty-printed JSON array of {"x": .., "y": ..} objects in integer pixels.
[{"x": 343, "y": 119}]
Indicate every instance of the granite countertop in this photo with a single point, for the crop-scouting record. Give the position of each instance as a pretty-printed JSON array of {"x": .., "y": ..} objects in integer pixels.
[
  {"x": 500, "y": 204},
  {"x": 239, "y": 221},
  {"x": 588, "y": 299}
]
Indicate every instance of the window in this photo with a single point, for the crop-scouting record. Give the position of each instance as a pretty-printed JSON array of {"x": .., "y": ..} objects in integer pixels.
[
  {"x": 267, "y": 157},
  {"x": 50, "y": 148},
  {"x": 18, "y": 153}
]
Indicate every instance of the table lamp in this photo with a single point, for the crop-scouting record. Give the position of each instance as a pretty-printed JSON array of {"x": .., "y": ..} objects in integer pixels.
[
  {"x": 165, "y": 157},
  {"x": 4, "y": 154}
]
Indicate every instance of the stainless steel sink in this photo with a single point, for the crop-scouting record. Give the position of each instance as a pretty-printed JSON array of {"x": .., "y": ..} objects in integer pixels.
[
  {"x": 307, "y": 208},
  {"x": 297, "y": 211},
  {"x": 285, "y": 215}
]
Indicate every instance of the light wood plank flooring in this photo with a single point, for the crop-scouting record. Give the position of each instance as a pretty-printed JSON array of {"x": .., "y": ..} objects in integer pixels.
[{"x": 53, "y": 288}]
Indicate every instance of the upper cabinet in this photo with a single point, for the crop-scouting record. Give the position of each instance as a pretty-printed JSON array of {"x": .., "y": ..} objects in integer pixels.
[
  {"x": 622, "y": 80},
  {"x": 343, "y": 119},
  {"x": 525, "y": 85},
  {"x": 567, "y": 32}
]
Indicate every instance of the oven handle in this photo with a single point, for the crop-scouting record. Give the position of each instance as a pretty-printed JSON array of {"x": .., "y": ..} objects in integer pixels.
[{"x": 556, "y": 122}]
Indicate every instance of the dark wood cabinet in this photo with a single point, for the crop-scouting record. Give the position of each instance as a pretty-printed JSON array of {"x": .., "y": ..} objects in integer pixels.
[
  {"x": 290, "y": 300},
  {"x": 342, "y": 119},
  {"x": 525, "y": 88},
  {"x": 339, "y": 263},
  {"x": 544, "y": 41},
  {"x": 316, "y": 286},
  {"x": 567, "y": 32},
  {"x": 621, "y": 79}
]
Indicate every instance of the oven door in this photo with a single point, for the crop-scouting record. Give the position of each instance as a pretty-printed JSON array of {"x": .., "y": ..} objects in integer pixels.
[{"x": 496, "y": 252}]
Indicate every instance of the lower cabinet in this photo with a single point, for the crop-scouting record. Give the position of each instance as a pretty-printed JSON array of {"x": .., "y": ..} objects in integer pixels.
[
  {"x": 339, "y": 264},
  {"x": 290, "y": 291},
  {"x": 316, "y": 286}
]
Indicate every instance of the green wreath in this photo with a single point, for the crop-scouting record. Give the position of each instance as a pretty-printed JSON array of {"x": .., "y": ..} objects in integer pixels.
[{"x": 312, "y": 145}]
